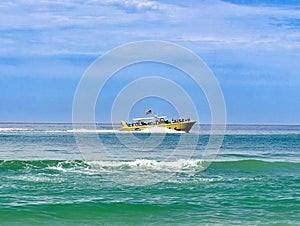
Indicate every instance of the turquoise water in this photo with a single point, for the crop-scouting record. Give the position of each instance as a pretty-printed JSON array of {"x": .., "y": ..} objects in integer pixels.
[{"x": 254, "y": 180}]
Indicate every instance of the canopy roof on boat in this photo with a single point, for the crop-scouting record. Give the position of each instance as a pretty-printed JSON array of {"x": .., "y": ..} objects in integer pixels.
[{"x": 149, "y": 118}]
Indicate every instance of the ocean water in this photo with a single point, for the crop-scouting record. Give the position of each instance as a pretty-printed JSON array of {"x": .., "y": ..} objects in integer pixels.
[{"x": 53, "y": 175}]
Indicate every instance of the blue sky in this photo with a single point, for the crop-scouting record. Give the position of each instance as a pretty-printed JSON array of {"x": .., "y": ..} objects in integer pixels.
[{"x": 253, "y": 48}]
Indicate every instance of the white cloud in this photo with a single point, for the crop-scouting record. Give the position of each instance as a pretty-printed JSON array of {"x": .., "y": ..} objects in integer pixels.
[
  {"x": 94, "y": 26},
  {"x": 225, "y": 23},
  {"x": 138, "y": 4}
]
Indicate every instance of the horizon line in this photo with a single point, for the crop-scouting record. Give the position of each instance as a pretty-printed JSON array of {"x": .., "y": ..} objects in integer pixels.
[{"x": 231, "y": 124}]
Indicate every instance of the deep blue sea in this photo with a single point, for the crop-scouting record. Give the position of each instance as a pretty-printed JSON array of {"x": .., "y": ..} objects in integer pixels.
[{"x": 52, "y": 174}]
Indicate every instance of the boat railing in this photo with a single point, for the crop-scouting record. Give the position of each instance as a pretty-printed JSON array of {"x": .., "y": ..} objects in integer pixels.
[{"x": 160, "y": 121}]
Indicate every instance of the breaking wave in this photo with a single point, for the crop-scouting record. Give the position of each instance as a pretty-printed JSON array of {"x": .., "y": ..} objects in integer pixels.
[{"x": 146, "y": 164}]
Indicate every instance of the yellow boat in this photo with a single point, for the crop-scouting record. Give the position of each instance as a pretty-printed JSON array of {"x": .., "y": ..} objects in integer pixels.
[{"x": 140, "y": 124}]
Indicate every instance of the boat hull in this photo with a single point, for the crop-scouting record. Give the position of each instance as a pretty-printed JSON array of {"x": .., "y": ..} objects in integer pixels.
[{"x": 178, "y": 126}]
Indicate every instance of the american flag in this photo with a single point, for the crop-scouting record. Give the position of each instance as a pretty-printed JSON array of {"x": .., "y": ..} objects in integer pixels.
[{"x": 148, "y": 112}]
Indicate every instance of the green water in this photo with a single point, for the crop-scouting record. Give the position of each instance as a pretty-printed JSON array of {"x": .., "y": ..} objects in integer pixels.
[
  {"x": 255, "y": 180},
  {"x": 237, "y": 192}
]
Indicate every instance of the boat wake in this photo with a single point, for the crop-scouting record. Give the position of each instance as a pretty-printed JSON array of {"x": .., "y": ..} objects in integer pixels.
[
  {"x": 148, "y": 130},
  {"x": 159, "y": 130}
]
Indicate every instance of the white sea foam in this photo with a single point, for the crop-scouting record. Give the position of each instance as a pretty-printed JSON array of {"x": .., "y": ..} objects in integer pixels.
[
  {"x": 148, "y": 164},
  {"x": 160, "y": 129},
  {"x": 92, "y": 131},
  {"x": 148, "y": 130},
  {"x": 37, "y": 178},
  {"x": 13, "y": 129},
  {"x": 95, "y": 167}
]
